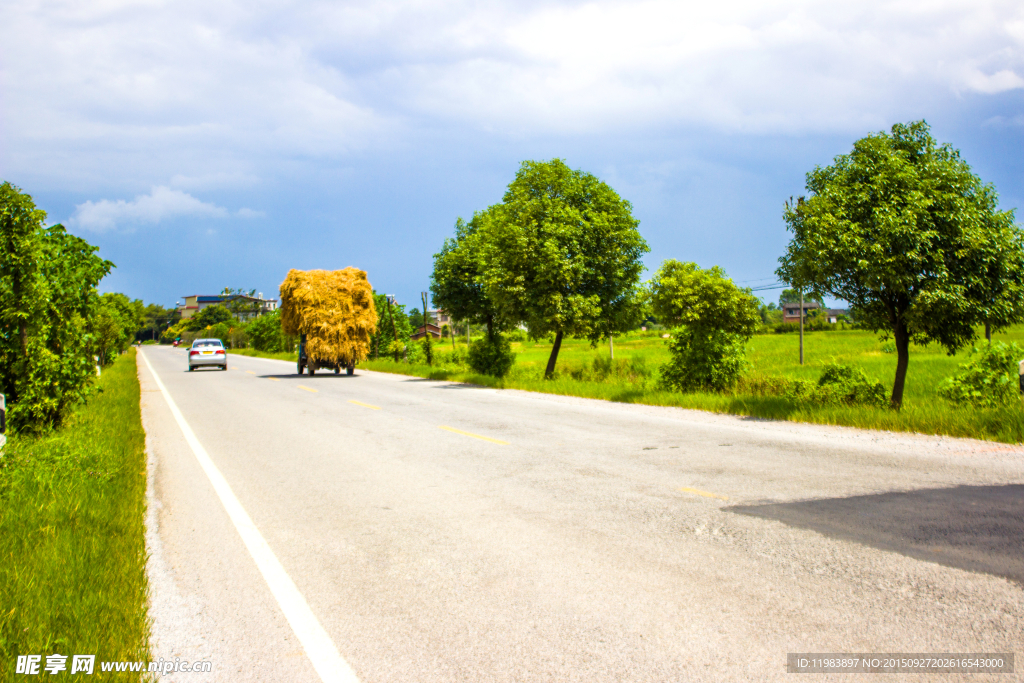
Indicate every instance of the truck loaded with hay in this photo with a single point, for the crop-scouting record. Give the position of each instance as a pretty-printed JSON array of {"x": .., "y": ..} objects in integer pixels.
[{"x": 332, "y": 313}]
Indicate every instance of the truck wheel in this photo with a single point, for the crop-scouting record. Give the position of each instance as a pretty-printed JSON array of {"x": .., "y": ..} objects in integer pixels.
[
  {"x": 299, "y": 367},
  {"x": 351, "y": 369},
  {"x": 337, "y": 369},
  {"x": 311, "y": 369}
]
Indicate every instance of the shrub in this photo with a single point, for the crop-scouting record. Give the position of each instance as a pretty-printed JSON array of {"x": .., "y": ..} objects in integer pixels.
[
  {"x": 517, "y": 335},
  {"x": 428, "y": 349},
  {"x": 842, "y": 384},
  {"x": 491, "y": 356},
  {"x": 703, "y": 360},
  {"x": 988, "y": 380},
  {"x": 265, "y": 333}
]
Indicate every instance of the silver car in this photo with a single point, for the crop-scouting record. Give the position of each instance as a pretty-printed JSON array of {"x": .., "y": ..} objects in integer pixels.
[{"x": 207, "y": 352}]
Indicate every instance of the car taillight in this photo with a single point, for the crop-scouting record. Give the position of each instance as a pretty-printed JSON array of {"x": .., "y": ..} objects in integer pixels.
[
  {"x": 193, "y": 353},
  {"x": 219, "y": 353}
]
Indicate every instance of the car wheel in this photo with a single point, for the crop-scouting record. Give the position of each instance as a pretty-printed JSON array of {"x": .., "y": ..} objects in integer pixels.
[
  {"x": 190, "y": 368},
  {"x": 224, "y": 367}
]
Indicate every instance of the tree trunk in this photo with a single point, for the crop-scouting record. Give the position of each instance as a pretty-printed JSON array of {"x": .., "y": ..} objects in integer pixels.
[
  {"x": 902, "y": 361},
  {"x": 988, "y": 331},
  {"x": 801, "y": 327},
  {"x": 611, "y": 347},
  {"x": 554, "y": 356}
]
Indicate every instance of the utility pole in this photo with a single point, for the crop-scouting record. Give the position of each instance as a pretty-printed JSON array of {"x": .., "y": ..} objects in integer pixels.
[
  {"x": 394, "y": 333},
  {"x": 611, "y": 346},
  {"x": 426, "y": 301},
  {"x": 801, "y": 326}
]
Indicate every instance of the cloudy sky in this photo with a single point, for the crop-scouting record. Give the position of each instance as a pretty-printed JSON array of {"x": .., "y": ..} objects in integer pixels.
[{"x": 212, "y": 144}]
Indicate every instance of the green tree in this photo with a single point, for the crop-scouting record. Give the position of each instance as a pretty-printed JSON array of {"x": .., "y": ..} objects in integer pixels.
[
  {"x": 562, "y": 254},
  {"x": 156, "y": 319},
  {"x": 457, "y": 283},
  {"x": 266, "y": 334},
  {"x": 906, "y": 233},
  {"x": 717, "y": 318},
  {"x": 211, "y": 315},
  {"x": 393, "y": 326},
  {"x": 240, "y": 304},
  {"x": 114, "y": 324},
  {"x": 48, "y": 302}
]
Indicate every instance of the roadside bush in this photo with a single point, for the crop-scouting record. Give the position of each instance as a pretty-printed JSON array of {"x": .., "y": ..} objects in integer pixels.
[
  {"x": 786, "y": 328},
  {"x": 265, "y": 333},
  {"x": 988, "y": 380},
  {"x": 703, "y": 360},
  {"x": 491, "y": 356},
  {"x": 838, "y": 385},
  {"x": 427, "y": 345},
  {"x": 516, "y": 335}
]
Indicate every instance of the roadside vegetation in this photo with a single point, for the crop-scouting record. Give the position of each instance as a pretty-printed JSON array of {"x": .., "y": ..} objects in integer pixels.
[
  {"x": 72, "y": 537},
  {"x": 900, "y": 228}
]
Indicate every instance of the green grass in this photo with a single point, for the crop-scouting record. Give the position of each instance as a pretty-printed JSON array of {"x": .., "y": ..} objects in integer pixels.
[
  {"x": 586, "y": 372},
  {"x": 72, "y": 536}
]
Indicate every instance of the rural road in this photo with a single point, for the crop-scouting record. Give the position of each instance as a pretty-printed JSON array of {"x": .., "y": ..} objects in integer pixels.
[{"x": 442, "y": 532}]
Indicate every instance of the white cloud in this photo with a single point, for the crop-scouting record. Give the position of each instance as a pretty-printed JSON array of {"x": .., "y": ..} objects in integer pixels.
[
  {"x": 160, "y": 204},
  {"x": 214, "y": 94}
]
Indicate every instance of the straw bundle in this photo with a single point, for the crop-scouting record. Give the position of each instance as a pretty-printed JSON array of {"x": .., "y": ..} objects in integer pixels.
[{"x": 334, "y": 309}]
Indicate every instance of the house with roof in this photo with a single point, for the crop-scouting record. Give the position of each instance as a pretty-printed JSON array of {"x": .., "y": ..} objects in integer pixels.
[{"x": 257, "y": 304}]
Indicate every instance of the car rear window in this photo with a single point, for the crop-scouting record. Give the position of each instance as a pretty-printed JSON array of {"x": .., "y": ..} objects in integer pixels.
[{"x": 200, "y": 344}]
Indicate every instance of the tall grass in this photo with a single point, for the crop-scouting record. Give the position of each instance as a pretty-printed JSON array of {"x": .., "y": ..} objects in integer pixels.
[{"x": 72, "y": 537}]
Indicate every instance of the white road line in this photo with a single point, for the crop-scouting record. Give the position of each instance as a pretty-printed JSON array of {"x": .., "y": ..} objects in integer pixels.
[{"x": 319, "y": 647}]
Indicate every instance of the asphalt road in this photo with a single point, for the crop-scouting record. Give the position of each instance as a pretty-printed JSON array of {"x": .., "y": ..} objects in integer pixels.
[{"x": 441, "y": 532}]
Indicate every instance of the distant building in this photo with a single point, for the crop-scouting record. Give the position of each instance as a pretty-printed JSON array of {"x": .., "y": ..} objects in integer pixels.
[
  {"x": 791, "y": 310},
  {"x": 197, "y": 302},
  {"x": 440, "y": 317},
  {"x": 423, "y": 330}
]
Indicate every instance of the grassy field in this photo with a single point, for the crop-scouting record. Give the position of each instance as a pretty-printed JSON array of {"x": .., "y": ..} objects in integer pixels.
[
  {"x": 632, "y": 378},
  {"x": 72, "y": 543},
  {"x": 586, "y": 371}
]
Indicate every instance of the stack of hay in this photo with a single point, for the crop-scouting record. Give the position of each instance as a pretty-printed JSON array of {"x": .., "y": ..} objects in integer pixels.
[{"x": 334, "y": 309}]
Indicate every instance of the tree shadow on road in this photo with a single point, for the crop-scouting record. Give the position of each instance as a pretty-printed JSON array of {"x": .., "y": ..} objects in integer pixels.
[{"x": 977, "y": 528}]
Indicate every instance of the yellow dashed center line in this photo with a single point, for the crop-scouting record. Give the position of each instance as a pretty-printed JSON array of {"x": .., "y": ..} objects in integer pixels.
[
  {"x": 308, "y": 389},
  {"x": 706, "y": 494},
  {"x": 475, "y": 436},
  {"x": 365, "y": 405},
  {"x": 273, "y": 379},
  {"x": 250, "y": 372}
]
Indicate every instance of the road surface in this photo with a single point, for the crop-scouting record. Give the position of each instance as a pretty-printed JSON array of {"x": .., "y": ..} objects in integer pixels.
[{"x": 441, "y": 532}]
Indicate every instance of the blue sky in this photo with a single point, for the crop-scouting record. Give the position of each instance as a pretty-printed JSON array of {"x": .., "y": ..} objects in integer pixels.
[{"x": 203, "y": 145}]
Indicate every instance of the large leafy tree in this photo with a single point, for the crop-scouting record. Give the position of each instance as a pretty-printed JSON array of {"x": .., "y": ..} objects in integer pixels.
[
  {"x": 211, "y": 315},
  {"x": 48, "y": 304},
  {"x": 562, "y": 254},
  {"x": 904, "y": 231},
  {"x": 715, "y": 319}
]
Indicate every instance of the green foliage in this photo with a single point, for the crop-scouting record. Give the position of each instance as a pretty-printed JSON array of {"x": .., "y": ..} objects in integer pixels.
[
  {"x": 684, "y": 294},
  {"x": 562, "y": 254},
  {"x": 703, "y": 359},
  {"x": 265, "y": 333},
  {"x": 48, "y": 305},
  {"x": 211, "y": 315},
  {"x": 427, "y": 344},
  {"x": 239, "y": 303},
  {"x": 157, "y": 319},
  {"x": 839, "y": 385},
  {"x": 389, "y": 323},
  {"x": 719, "y": 317},
  {"x": 114, "y": 324},
  {"x": 904, "y": 231},
  {"x": 491, "y": 356},
  {"x": 990, "y": 379}
]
